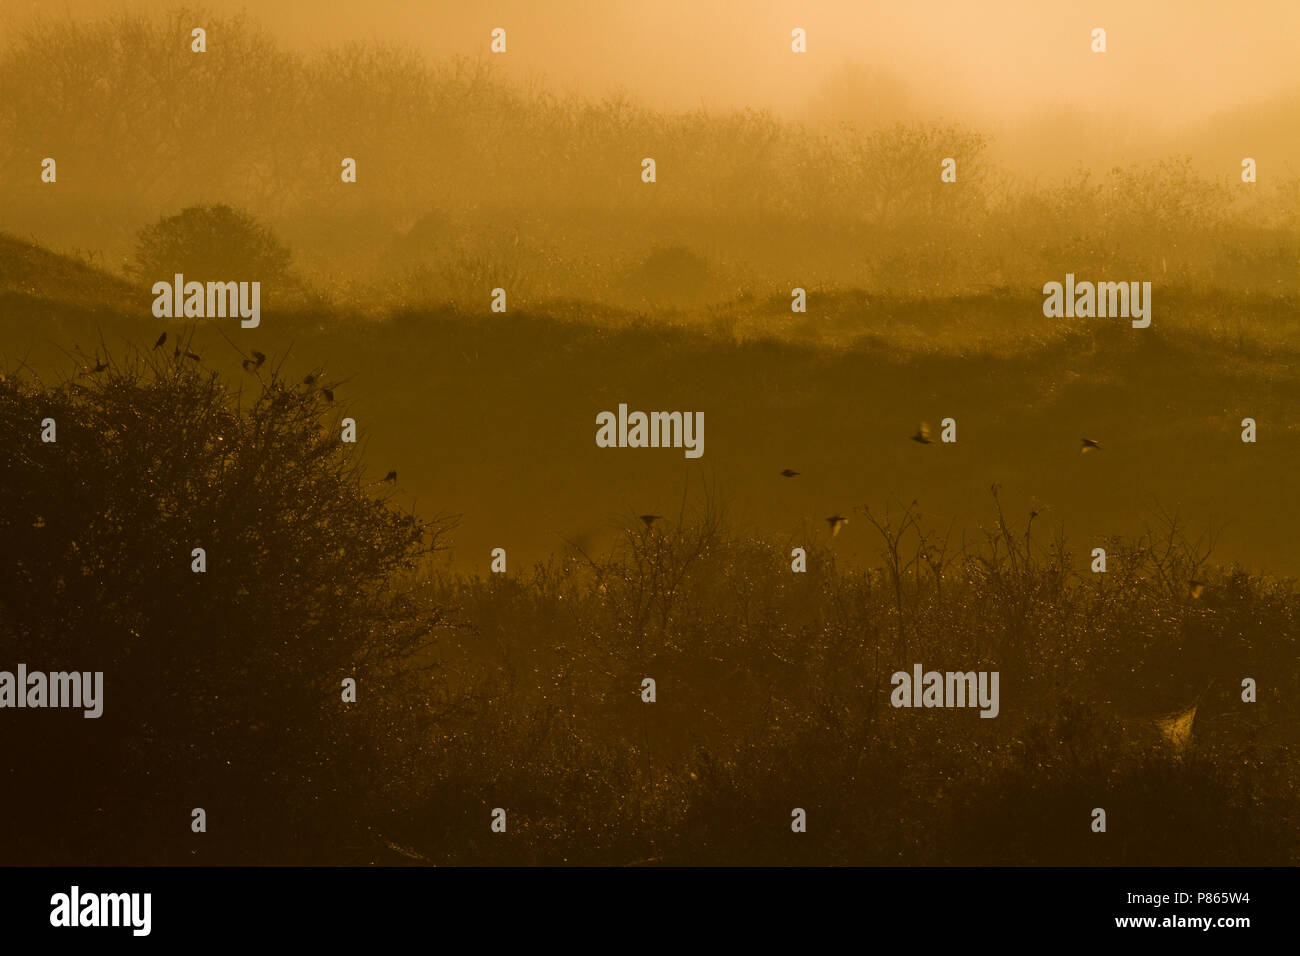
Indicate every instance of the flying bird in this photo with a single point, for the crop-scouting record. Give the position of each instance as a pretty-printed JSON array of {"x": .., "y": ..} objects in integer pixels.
[
  {"x": 922, "y": 435},
  {"x": 190, "y": 355},
  {"x": 836, "y": 522},
  {"x": 391, "y": 476},
  {"x": 162, "y": 339},
  {"x": 255, "y": 362},
  {"x": 328, "y": 393},
  {"x": 788, "y": 473},
  {"x": 649, "y": 519},
  {"x": 259, "y": 356},
  {"x": 1197, "y": 588},
  {"x": 1089, "y": 444}
]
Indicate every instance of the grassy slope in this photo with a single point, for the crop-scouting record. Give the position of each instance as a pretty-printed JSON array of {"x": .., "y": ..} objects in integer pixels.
[{"x": 494, "y": 417}]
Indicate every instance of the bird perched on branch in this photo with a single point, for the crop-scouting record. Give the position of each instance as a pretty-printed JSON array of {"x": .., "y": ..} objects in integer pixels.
[{"x": 162, "y": 340}]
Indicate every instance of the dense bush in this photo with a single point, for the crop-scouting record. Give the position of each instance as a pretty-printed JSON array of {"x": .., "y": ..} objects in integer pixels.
[
  {"x": 669, "y": 277},
  {"x": 209, "y": 244},
  {"x": 222, "y": 689},
  {"x": 773, "y": 694}
]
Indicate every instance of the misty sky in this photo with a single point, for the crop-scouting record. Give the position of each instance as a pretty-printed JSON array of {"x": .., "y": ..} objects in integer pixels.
[{"x": 1168, "y": 62}]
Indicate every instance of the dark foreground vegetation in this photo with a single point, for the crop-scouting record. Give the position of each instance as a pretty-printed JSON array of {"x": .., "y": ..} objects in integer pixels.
[{"x": 522, "y": 691}]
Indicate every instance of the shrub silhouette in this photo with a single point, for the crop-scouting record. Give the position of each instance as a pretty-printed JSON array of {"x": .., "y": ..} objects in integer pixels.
[
  {"x": 222, "y": 689},
  {"x": 796, "y": 668},
  {"x": 428, "y": 235},
  {"x": 671, "y": 276},
  {"x": 209, "y": 243}
]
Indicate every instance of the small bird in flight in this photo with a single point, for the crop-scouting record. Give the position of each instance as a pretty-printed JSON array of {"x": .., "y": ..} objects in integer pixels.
[
  {"x": 788, "y": 473},
  {"x": 162, "y": 339},
  {"x": 922, "y": 435},
  {"x": 1089, "y": 444},
  {"x": 255, "y": 362},
  {"x": 328, "y": 393},
  {"x": 836, "y": 522},
  {"x": 1197, "y": 588},
  {"x": 190, "y": 355},
  {"x": 391, "y": 476},
  {"x": 649, "y": 519}
]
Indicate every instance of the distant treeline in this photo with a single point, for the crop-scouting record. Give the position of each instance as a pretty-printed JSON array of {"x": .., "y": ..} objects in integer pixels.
[{"x": 466, "y": 179}]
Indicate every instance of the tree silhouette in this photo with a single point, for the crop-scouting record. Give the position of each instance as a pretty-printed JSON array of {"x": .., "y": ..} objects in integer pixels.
[
  {"x": 209, "y": 244},
  {"x": 223, "y": 688}
]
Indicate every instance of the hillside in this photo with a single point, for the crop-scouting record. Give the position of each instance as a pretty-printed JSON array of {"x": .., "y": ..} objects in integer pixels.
[{"x": 485, "y": 415}]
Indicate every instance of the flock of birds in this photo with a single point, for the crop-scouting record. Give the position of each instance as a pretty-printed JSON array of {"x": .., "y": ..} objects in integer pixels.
[
  {"x": 835, "y": 521},
  {"x": 922, "y": 437},
  {"x": 1176, "y": 726},
  {"x": 252, "y": 364}
]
